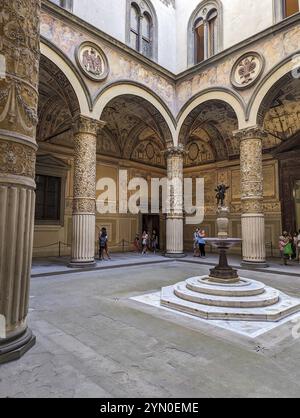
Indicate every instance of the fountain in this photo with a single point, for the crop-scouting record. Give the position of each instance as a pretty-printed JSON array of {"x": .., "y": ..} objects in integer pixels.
[{"x": 224, "y": 294}]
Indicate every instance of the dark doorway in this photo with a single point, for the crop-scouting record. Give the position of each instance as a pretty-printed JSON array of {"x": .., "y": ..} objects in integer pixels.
[{"x": 152, "y": 223}]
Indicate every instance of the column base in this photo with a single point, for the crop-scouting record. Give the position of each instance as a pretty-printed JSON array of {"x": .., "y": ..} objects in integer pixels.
[
  {"x": 255, "y": 265},
  {"x": 14, "y": 349},
  {"x": 82, "y": 265},
  {"x": 170, "y": 255}
]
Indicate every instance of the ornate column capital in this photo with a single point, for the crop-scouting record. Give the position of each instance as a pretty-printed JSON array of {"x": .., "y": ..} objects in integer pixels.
[
  {"x": 177, "y": 151},
  {"x": 85, "y": 125},
  {"x": 253, "y": 132}
]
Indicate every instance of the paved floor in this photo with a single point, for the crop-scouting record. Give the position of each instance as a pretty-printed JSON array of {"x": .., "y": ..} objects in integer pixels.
[
  {"x": 56, "y": 265},
  {"x": 93, "y": 341}
]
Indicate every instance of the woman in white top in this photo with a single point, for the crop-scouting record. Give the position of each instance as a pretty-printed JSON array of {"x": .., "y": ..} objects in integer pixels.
[{"x": 145, "y": 239}]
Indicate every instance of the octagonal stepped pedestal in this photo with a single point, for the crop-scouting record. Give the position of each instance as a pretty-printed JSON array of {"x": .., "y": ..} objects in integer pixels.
[
  {"x": 247, "y": 300},
  {"x": 243, "y": 288}
]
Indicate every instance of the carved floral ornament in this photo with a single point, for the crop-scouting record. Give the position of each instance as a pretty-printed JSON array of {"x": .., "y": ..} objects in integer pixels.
[
  {"x": 92, "y": 61},
  {"x": 247, "y": 70}
]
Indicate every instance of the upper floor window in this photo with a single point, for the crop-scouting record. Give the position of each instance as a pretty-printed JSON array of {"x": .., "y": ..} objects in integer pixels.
[
  {"x": 141, "y": 28},
  {"x": 290, "y": 7},
  {"x": 66, "y": 4},
  {"x": 205, "y": 29},
  {"x": 285, "y": 8}
]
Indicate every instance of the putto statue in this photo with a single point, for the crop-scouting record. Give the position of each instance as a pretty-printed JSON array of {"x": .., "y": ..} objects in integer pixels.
[{"x": 221, "y": 194}]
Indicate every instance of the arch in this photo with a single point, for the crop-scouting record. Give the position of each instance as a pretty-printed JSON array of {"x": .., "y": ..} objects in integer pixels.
[
  {"x": 131, "y": 89},
  {"x": 223, "y": 95},
  {"x": 71, "y": 74},
  {"x": 283, "y": 69}
]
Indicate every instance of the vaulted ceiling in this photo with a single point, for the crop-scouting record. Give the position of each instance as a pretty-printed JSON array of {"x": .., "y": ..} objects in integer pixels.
[
  {"x": 281, "y": 111},
  {"x": 207, "y": 133}
]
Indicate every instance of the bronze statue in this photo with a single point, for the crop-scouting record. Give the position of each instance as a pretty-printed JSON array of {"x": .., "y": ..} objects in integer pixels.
[{"x": 221, "y": 194}]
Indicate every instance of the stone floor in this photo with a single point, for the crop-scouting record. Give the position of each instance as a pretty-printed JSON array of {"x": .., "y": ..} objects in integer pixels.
[
  {"x": 59, "y": 265},
  {"x": 93, "y": 340}
]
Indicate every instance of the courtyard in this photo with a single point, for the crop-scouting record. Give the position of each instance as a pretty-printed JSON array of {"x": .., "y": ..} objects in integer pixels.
[{"x": 93, "y": 340}]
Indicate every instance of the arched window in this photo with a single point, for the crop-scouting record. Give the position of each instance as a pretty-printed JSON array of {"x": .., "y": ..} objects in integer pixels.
[
  {"x": 141, "y": 23},
  {"x": 66, "y": 4},
  {"x": 285, "y": 8},
  {"x": 205, "y": 28}
]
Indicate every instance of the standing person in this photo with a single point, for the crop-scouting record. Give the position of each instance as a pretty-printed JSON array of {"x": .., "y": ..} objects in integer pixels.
[
  {"x": 196, "y": 243},
  {"x": 103, "y": 244},
  {"x": 298, "y": 247},
  {"x": 281, "y": 246},
  {"x": 295, "y": 246},
  {"x": 145, "y": 239},
  {"x": 202, "y": 244},
  {"x": 287, "y": 248},
  {"x": 136, "y": 243},
  {"x": 154, "y": 241}
]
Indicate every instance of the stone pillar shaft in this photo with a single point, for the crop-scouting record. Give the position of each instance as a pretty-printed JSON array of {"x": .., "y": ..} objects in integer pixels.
[
  {"x": 19, "y": 63},
  {"x": 253, "y": 219},
  {"x": 174, "y": 239},
  {"x": 84, "y": 203}
]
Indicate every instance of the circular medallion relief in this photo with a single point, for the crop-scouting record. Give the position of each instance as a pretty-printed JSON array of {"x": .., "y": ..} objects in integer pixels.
[
  {"x": 150, "y": 151},
  {"x": 193, "y": 152},
  {"x": 247, "y": 70},
  {"x": 92, "y": 61}
]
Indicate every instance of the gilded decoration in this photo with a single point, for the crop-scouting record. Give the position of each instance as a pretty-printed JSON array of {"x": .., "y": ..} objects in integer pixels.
[
  {"x": 17, "y": 159},
  {"x": 19, "y": 47},
  {"x": 92, "y": 61}
]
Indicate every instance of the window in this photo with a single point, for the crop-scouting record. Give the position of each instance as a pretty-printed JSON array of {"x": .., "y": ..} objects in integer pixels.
[
  {"x": 289, "y": 8},
  {"x": 48, "y": 195},
  {"x": 212, "y": 32},
  {"x": 66, "y": 4},
  {"x": 142, "y": 28},
  {"x": 199, "y": 40},
  {"x": 205, "y": 29},
  {"x": 285, "y": 8}
]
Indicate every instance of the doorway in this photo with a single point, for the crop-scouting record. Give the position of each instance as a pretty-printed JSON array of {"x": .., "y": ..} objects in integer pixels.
[{"x": 152, "y": 223}]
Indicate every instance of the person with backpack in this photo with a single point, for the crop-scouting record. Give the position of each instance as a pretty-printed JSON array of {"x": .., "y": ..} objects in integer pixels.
[{"x": 103, "y": 245}]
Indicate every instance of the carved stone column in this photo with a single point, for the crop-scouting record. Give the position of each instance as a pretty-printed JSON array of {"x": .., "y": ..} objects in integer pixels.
[
  {"x": 84, "y": 203},
  {"x": 19, "y": 63},
  {"x": 253, "y": 219},
  {"x": 174, "y": 238}
]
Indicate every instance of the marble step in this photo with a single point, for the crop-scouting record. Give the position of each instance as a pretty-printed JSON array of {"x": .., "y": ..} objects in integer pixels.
[
  {"x": 285, "y": 307},
  {"x": 244, "y": 288},
  {"x": 268, "y": 298}
]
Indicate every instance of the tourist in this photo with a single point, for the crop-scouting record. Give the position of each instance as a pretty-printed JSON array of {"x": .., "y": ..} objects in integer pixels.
[
  {"x": 196, "y": 243},
  {"x": 295, "y": 245},
  {"x": 154, "y": 242},
  {"x": 287, "y": 247},
  {"x": 103, "y": 245},
  {"x": 145, "y": 239},
  {"x": 281, "y": 246},
  {"x": 136, "y": 243},
  {"x": 298, "y": 247},
  {"x": 202, "y": 244}
]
